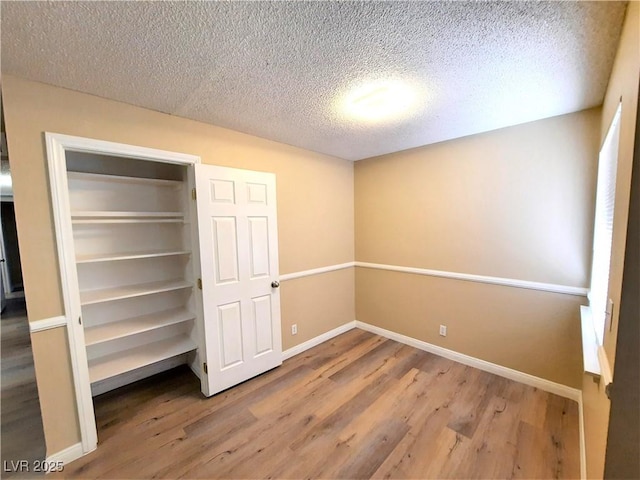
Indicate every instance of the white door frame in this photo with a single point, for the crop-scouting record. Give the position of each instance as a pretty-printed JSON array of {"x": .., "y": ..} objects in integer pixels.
[
  {"x": 57, "y": 146},
  {"x": 6, "y": 276},
  {"x": 4, "y": 268}
]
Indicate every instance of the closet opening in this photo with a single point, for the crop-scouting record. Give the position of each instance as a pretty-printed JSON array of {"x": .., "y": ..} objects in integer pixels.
[
  {"x": 128, "y": 265},
  {"x": 133, "y": 255},
  {"x": 163, "y": 262}
]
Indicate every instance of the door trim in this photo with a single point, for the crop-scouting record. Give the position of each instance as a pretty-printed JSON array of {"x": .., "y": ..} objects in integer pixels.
[{"x": 56, "y": 147}]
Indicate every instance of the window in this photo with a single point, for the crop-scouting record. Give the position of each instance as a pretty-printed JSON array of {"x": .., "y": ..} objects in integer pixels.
[{"x": 603, "y": 227}]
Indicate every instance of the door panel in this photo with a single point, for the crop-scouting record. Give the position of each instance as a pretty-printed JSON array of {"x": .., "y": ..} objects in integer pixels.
[
  {"x": 259, "y": 246},
  {"x": 222, "y": 191},
  {"x": 225, "y": 244},
  {"x": 257, "y": 193},
  {"x": 230, "y": 322},
  {"x": 263, "y": 324},
  {"x": 236, "y": 212}
]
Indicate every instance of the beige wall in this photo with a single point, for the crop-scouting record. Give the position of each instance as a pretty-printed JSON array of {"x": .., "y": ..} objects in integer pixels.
[
  {"x": 55, "y": 379},
  {"x": 315, "y": 217},
  {"x": 527, "y": 330},
  {"x": 321, "y": 301},
  {"x": 485, "y": 204},
  {"x": 514, "y": 203},
  {"x": 623, "y": 84}
]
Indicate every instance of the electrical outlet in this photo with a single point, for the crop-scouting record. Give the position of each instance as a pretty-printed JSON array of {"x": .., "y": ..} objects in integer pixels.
[
  {"x": 294, "y": 329},
  {"x": 443, "y": 330}
]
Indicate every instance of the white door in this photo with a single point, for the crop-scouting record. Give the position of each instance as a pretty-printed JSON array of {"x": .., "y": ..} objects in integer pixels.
[{"x": 237, "y": 229}]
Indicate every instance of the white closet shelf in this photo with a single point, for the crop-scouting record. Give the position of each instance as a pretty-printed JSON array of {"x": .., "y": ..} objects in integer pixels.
[
  {"x": 100, "y": 177},
  {"x": 108, "y": 257},
  {"x": 79, "y": 221},
  {"x": 123, "y": 214},
  {"x": 89, "y": 297},
  {"x": 125, "y": 361},
  {"x": 131, "y": 326}
]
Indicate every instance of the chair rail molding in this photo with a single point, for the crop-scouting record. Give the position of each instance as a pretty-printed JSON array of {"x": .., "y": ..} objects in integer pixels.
[{"x": 507, "y": 282}]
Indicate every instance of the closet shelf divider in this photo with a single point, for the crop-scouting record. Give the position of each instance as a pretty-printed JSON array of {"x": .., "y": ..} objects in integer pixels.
[
  {"x": 108, "y": 257},
  {"x": 132, "y": 326},
  {"x": 89, "y": 297},
  {"x": 117, "y": 363}
]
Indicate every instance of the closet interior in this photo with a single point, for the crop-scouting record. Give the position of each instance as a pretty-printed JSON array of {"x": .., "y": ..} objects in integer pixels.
[{"x": 131, "y": 222}]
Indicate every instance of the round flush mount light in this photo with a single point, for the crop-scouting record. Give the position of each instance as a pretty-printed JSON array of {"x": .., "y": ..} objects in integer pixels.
[{"x": 380, "y": 101}]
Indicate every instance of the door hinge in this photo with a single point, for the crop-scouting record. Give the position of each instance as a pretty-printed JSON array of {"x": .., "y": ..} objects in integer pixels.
[
  {"x": 80, "y": 320},
  {"x": 193, "y": 193},
  {"x": 204, "y": 367},
  {"x": 199, "y": 282}
]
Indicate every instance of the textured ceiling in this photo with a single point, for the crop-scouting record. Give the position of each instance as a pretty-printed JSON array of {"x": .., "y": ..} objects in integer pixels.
[{"x": 279, "y": 70}]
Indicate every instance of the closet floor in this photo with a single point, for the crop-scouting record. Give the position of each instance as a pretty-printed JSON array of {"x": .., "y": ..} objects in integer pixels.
[{"x": 357, "y": 406}]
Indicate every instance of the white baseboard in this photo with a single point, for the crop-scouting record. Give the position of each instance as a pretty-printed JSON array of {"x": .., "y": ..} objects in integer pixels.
[
  {"x": 515, "y": 375},
  {"x": 583, "y": 443},
  {"x": 293, "y": 351},
  {"x": 67, "y": 455}
]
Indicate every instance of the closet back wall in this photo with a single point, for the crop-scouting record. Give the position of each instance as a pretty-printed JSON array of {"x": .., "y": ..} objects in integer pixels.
[
  {"x": 515, "y": 203},
  {"x": 315, "y": 218}
]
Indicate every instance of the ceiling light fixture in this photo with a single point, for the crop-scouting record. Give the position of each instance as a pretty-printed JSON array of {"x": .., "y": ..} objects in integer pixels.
[{"x": 380, "y": 101}]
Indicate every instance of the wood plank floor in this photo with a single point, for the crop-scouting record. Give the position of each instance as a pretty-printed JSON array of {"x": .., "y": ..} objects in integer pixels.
[
  {"x": 21, "y": 422},
  {"x": 357, "y": 406}
]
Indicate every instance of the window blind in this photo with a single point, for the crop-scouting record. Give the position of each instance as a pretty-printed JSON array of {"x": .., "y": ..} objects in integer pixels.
[{"x": 603, "y": 226}]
